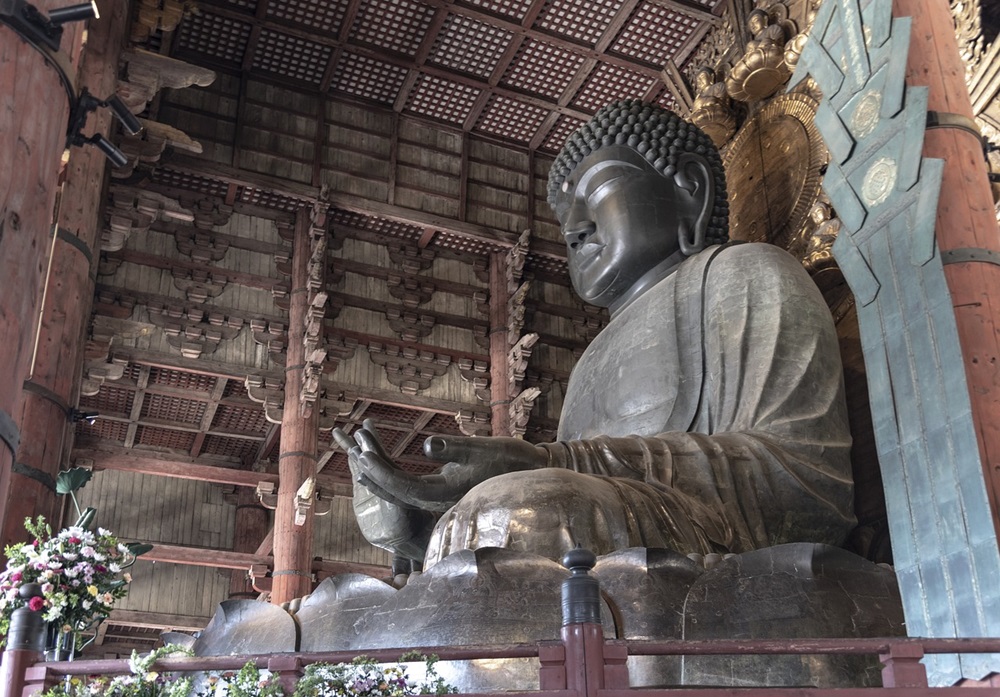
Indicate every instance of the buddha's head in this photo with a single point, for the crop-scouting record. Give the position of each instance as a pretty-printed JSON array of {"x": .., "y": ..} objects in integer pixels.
[
  {"x": 636, "y": 191},
  {"x": 704, "y": 78},
  {"x": 758, "y": 21}
]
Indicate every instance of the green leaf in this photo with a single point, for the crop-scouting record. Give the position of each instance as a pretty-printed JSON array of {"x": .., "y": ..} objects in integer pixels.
[
  {"x": 137, "y": 549},
  {"x": 87, "y": 518},
  {"x": 72, "y": 480}
]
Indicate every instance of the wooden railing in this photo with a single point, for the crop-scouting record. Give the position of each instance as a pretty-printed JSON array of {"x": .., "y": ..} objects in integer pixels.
[{"x": 582, "y": 664}]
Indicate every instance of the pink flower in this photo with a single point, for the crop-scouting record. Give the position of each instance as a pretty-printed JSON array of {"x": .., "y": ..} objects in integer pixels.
[
  {"x": 16, "y": 578},
  {"x": 75, "y": 540},
  {"x": 36, "y": 604}
]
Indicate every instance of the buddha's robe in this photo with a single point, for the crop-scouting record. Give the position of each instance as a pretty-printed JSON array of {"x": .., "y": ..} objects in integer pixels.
[{"x": 708, "y": 416}]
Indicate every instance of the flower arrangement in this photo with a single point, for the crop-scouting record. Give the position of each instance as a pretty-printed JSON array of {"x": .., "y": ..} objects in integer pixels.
[
  {"x": 81, "y": 574},
  {"x": 361, "y": 678},
  {"x": 250, "y": 681},
  {"x": 366, "y": 678},
  {"x": 142, "y": 680}
]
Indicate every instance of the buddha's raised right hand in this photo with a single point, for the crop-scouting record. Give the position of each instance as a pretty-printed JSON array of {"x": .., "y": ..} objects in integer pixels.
[{"x": 395, "y": 508}]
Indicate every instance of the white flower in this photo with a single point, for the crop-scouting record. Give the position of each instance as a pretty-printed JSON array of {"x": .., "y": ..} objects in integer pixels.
[
  {"x": 87, "y": 551},
  {"x": 115, "y": 568},
  {"x": 47, "y": 588},
  {"x": 86, "y": 604}
]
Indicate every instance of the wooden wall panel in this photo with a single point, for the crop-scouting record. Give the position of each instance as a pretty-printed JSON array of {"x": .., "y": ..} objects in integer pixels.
[
  {"x": 207, "y": 114},
  {"x": 338, "y": 537}
]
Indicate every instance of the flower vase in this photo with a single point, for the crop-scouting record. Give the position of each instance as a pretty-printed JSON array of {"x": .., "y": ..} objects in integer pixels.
[{"x": 60, "y": 645}]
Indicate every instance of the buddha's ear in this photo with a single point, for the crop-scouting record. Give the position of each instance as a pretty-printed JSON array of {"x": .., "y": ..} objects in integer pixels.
[{"x": 696, "y": 186}]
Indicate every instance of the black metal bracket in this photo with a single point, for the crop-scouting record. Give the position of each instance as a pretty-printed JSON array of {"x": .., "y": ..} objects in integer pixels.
[{"x": 40, "y": 33}]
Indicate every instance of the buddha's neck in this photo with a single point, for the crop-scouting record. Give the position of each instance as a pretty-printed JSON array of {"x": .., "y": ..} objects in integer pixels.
[{"x": 647, "y": 281}]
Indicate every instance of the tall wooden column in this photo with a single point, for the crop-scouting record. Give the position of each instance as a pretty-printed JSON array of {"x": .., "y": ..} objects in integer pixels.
[
  {"x": 33, "y": 123},
  {"x": 293, "y": 543},
  {"x": 499, "y": 319},
  {"x": 966, "y": 225},
  {"x": 53, "y": 386},
  {"x": 510, "y": 406}
]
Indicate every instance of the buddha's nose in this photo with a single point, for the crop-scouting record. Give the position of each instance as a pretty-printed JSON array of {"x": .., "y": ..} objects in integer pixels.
[
  {"x": 575, "y": 236},
  {"x": 577, "y": 226}
]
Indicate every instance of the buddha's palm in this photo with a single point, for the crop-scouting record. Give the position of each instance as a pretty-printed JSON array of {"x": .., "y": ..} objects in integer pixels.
[{"x": 396, "y": 509}]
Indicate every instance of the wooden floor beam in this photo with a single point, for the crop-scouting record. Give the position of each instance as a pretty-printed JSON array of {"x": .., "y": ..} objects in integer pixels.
[
  {"x": 164, "y": 465},
  {"x": 228, "y": 559}
]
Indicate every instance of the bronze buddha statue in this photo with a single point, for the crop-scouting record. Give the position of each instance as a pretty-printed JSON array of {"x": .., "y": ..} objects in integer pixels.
[{"x": 708, "y": 416}]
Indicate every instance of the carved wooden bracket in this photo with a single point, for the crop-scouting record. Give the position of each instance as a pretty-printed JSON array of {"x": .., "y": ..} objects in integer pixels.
[
  {"x": 409, "y": 325},
  {"x": 410, "y": 291},
  {"x": 132, "y": 210},
  {"x": 208, "y": 212},
  {"x": 517, "y": 360},
  {"x": 331, "y": 404},
  {"x": 481, "y": 268},
  {"x": 313, "y": 335},
  {"x": 516, "y": 257},
  {"x": 270, "y": 393},
  {"x": 200, "y": 246},
  {"x": 122, "y": 218},
  {"x": 193, "y": 331},
  {"x": 473, "y": 423},
  {"x": 408, "y": 369},
  {"x": 520, "y": 410},
  {"x": 154, "y": 15},
  {"x": 197, "y": 284},
  {"x": 99, "y": 367},
  {"x": 411, "y": 258},
  {"x": 515, "y": 313},
  {"x": 587, "y": 328},
  {"x": 478, "y": 373},
  {"x": 273, "y": 336},
  {"x": 112, "y": 304},
  {"x": 146, "y": 73}
]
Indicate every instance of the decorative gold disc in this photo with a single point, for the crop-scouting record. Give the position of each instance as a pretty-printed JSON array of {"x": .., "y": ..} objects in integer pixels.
[{"x": 773, "y": 171}]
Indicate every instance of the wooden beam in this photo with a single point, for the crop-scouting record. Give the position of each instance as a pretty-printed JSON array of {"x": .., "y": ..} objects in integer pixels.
[
  {"x": 209, "y": 416},
  {"x": 227, "y": 559},
  {"x": 163, "y": 465},
  {"x": 138, "y": 397},
  {"x": 157, "y": 620},
  {"x": 355, "y": 204},
  {"x": 207, "y": 367}
]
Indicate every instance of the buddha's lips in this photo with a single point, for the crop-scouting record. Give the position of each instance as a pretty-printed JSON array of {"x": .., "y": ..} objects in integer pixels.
[{"x": 588, "y": 252}]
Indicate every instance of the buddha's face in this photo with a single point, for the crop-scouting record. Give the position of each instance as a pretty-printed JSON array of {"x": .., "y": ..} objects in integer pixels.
[
  {"x": 757, "y": 21},
  {"x": 619, "y": 218}
]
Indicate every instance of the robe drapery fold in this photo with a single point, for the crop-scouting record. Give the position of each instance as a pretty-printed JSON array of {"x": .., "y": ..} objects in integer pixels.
[{"x": 708, "y": 415}]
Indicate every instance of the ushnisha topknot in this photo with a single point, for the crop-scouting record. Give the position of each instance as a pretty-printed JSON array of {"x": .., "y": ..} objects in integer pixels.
[{"x": 659, "y": 135}]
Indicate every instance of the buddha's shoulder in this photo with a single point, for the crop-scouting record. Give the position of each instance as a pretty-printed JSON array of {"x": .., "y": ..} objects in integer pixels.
[{"x": 753, "y": 258}]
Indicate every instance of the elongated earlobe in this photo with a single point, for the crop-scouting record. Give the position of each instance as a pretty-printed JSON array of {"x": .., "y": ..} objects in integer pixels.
[{"x": 694, "y": 178}]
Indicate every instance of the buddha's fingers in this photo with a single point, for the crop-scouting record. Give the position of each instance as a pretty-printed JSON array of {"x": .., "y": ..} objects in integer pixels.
[
  {"x": 498, "y": 455},
  {"x": 430, "y": 493}
]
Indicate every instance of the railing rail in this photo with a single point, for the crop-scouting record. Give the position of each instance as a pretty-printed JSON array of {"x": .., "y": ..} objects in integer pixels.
[{"x": 582, "y": 663}]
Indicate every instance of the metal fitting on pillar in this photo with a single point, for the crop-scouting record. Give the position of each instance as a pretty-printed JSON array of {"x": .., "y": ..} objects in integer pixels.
[
  {"x": 27, "y": 628},
  {"x": 581, "y": 592}
]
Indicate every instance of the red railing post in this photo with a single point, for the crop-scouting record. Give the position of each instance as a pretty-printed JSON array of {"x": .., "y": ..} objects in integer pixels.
[
  {"x": 902, "y": 666},
  {"x": 615, "y": 669},
  {"x": 37, "y": 679},
  {"x": 552, "y": 674},
  {"x": 591, "y": 664},
  {"x": 25, "y": 643},
  {"x": 288, "y": 669}
]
